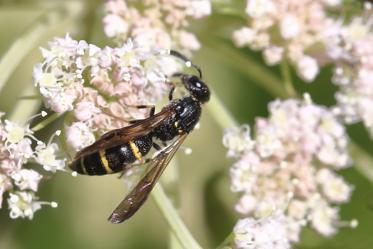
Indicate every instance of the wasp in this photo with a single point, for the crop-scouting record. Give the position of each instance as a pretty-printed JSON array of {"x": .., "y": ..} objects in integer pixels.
[{"x": 119, "y": 150}]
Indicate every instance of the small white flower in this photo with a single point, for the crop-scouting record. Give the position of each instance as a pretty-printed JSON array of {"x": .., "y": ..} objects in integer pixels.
[
  {"x": 261, "y": 233},
  {"x": 297, "y": 209},
  {"x": 59, "y": 102},
  {"x": 273, "y": 55},
  {"x": 27, "y": 179},
  {"x": 78, "y": 135},
  {"x": 189, "y": 40},
  {"x": 114, "y": 25},
  {"x": 21, "y": 151},
  {"x": 333, "y": 186},
  {"x": 333, "y": 2},
  {"x": 85, "y": 110},
  {"x": 290, "y": 27},
  {"x": 46, "y": 156},
  {"x": 246, "y": 204},
  {"x": 324, "y": 218},
  {"x": 237, "y": 140},
  {"x": 15, "y": 132},
  {"x": 47, "y": 80},
  {"x": 307, "y": 68},
  {"x": 22, "y": 204},
  {"x": 243, "y": 36},
  {"x": 199, "y": 8},
  {"x": 258, "y": 8}
]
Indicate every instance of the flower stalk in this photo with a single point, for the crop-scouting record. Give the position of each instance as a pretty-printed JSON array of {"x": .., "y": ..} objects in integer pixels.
[
  {"x": 46, "y": 122},
  {"x": 288, "y": 82},
  {"x": 177, "y": 226}
]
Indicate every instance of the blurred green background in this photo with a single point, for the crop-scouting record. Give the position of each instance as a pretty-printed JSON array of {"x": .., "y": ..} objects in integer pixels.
[{"x": 206, "y": 203}]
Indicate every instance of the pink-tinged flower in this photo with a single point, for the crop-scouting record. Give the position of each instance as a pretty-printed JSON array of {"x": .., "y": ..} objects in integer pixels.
[
  {"x": 286, "y": 30},
  {"x": 155, "y": 24},
  {"x": 268, "y": 232},
  {"x": 288, "y": 166},
  {"x": 19, "y": 183},
  {"x": 79, "y": 136},
  {"x": 100, "y": 87},
  {"x": 114, "y": 25},
  {"x": 352, "y": 52}
]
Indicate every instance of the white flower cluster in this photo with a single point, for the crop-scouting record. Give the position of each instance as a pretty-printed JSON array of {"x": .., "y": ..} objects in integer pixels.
[
  {"x": 157, "y": 23},
  {"x": 290, "y": 165},
  {"x": 288, "y": 29},
  {"x": 22, "y": 183},
  {"x": 101, "y": 87},
  {"x": 352, "y": 50},
  {"x": 264, "y": 233}
]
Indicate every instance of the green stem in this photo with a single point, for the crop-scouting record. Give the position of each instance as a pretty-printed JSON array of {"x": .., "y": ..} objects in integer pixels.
[
  {"x": 220, "y": 113},
  {"x": 363, "y": 161},
  {"x": 45, "y": 28},
  {"x": 177, "y": 226},
  {"x": 260, "y": 75},
  {"x": 46, "y": 122},
  {"x": 170, "y": 181},
  {"x": 18, "y": 51},
  {"x": 227, "y": 241},
  {"x": 286, "y": 77}
]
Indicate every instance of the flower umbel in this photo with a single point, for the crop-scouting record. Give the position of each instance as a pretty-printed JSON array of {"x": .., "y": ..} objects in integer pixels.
[
  {"x": 268, "y": 232},
  {"x": 21, "y": 183},
  {"x": 352, "y": 51},
  {"x": 98, "y": 88},
  {"x": 287, "y": 30},
  {"x": 160, "y": 23},
  {"x": 289, "y": 167}
]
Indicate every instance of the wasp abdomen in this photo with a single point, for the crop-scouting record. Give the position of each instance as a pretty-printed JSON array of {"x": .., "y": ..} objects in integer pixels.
[
  {"x": 89, "y": 165},
  {"x": 114, "y": 159}
]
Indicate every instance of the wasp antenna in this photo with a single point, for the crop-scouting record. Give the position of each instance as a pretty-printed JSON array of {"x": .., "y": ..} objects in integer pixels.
[{"x": 188, "y": 62}]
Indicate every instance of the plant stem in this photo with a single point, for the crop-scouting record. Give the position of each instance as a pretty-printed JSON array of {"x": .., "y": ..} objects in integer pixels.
[
  {"x": 260, "y": 75},
  {"x": 227, "y": 241},
  {"x": 286, "y": 77},
  {"x": 176, "y": 224},
  {"x": 47, "y": 26},
  {"x": 362, "y": 161},
  {"x": 46, "y": 122},
  {"x": 220, "y": 113}
]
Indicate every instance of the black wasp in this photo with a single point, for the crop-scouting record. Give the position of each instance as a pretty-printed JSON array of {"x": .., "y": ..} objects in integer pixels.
[{"x": 118, "y": 150}]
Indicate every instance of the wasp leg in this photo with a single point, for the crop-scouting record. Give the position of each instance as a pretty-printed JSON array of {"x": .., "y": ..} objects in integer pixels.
[
  {"x": 127, "y": 167},
  {"x": 156, "y": 146},
  {"x": 171, "y": 93},
  {"x": 151, "y": 107},
  {"x": 151, "y": 113}
]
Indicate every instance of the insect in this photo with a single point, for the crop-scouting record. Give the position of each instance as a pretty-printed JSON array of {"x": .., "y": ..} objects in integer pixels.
[{"x": 119, "y": 150}]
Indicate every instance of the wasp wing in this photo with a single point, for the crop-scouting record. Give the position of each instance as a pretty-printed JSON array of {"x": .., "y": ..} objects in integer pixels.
[
  {"x": 134, "y": 200},
  {"x": 122, "y": 135}
]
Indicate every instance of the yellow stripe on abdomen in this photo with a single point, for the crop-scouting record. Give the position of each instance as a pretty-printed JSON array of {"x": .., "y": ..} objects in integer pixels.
[
  {"x": 105, "y": 162},
  {"x": 135, "y": 151}
]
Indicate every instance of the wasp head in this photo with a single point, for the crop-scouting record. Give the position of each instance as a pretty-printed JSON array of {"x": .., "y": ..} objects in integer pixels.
[{"x": 196, "y": 87}]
